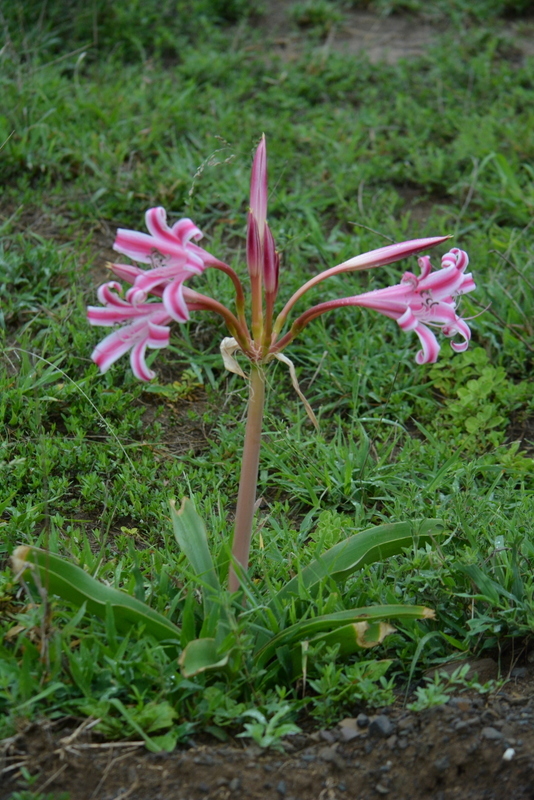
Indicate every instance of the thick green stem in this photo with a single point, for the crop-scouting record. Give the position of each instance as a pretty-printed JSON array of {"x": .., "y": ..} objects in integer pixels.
[{"x": 246, "y": 498}]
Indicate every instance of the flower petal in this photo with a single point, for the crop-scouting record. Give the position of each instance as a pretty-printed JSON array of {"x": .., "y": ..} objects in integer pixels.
[
  {"x": 174, "y": 302},
  {"x": 431, "y": 348}
]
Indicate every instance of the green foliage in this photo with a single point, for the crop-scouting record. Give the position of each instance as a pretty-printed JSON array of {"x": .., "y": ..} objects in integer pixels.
[
  {"x": 438, "y": 689},
  {"x": 165, "y": 109},
  {"x": 268, "y": 731},
  {"x": 130, "y": 30},
  {"x": 339, "y": 688},
  {"x": 484, "y": 403},
  {"x": 318, "y": 15}
]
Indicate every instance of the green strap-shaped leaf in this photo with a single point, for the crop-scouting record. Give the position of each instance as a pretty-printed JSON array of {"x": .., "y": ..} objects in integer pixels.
[
  {"x": 61, "y": 577},
  {"x": 309, "y": 628},
  {"x": 373, "y": 544},
  {"x": 190, "y": 533},
  {"x": 356, "y": 636},
  {"x": 201, "y": 655}
]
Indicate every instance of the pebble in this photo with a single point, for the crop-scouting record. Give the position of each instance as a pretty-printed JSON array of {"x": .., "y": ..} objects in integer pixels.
[
  {"x": 349, "y": 729},
  {"x": 442, "y": 764},
  {"x": 519, "y": 672},
  {"x": 235, "y": 784},
  {"x": 281, "y": 788},
  {"x": 330, "y": 755},
  {"x": 491, "y": 733},
  {"x": 362, "y": 720},
  {"x": 461, "y": 703},
  {"x": 327, "y": 736},
  {"x": 381, "y": 727},
  {"x": 508, "y": 754},
  {"x": 381, "y": 789},
  {"x": 406, "y": 724}
]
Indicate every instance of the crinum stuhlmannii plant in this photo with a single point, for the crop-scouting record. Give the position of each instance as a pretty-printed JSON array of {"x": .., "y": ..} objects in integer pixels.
[{"x": 158, "y": 296}]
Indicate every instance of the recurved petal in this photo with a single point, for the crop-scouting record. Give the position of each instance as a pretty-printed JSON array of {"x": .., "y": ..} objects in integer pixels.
[
  {"x": 185, "y": 229},
  {"x": 156, "y": 222},
  {"x": 429, "y": 353},
  {"x": 137, "y": 361},
  {"x": 148, "y": 249},
  {"x": 116, "y": 345},
  {"x": 174, "y": 302}
]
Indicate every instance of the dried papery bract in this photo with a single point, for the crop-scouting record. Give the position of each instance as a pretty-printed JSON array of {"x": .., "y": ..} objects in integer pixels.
[{"x": 159, "y": 296}]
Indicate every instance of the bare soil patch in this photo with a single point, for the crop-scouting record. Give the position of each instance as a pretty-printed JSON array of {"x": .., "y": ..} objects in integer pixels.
[
  {"x": 382, "y": 38},
  {"x": 474, "y": 747}
]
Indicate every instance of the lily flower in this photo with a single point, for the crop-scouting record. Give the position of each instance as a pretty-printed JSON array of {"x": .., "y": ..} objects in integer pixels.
[
  {"x": 146, "y": 326},
  {"x": 174, "y": 257},
  {"x": 416, "y": 303}
]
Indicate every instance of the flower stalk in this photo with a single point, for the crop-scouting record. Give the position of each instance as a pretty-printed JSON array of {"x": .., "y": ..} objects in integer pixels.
[{"x": 246, "y": 498}]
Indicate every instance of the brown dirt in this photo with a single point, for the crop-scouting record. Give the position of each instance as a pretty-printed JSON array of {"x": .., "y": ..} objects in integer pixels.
[
  {"x": 474, "y": 747},
  {"x": 382, "y": 38}
]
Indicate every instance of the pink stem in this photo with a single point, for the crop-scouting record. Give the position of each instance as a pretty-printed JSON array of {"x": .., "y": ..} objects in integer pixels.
[
  {"x": 239, "y": 293},
  {"x": 202, "y": 301},
  {"x": 246, "y": 498},
  {"x": 375, "y": 258}
]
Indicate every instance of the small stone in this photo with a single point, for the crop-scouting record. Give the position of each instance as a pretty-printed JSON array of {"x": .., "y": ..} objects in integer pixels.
[
  {"x": 461, "y": 703},
  {"x": 362, "y": 720},
  {"x": 235, "y": 784},
  {"x": 519, "y": 672},
  {"x": 517, "y": 699},
  {"x": 508, "y": 754},
  {"x": 281, "y": 788},
  {"x": 392, "y": 741},
  {"x": 330, "y": 755},
  {"x": 203, "y": 787},
  {"x": 491, "y": 733},
  {"x": 349, "y": 729},
  {"x": 442, "y": 764},
  {"x": 205, "y": 761},
  {"x": 402, "y": 744},
  {"x": 381, "y": 727},
  {"x": 461, "y": 725},
  {"x": 381, "y": 789},
  {"x": 327, "y": 736}
]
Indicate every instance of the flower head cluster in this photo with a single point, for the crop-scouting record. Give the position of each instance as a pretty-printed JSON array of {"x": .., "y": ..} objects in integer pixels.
[{"x": 417, "y": 303}]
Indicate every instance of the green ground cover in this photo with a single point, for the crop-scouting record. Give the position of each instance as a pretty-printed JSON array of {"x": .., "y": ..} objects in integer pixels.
[{"x": 119, "y": 110}]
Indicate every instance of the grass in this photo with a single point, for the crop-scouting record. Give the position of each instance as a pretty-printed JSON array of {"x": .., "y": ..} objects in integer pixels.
[{"x": 87, "y": 462}]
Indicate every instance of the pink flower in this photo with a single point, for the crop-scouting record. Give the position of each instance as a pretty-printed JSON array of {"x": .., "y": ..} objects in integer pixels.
[
  {"x": 146, "y": 327},
  {"x": 173, "y": 258},
  {"x": 417, "y": 303}
]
